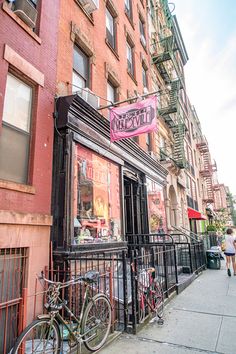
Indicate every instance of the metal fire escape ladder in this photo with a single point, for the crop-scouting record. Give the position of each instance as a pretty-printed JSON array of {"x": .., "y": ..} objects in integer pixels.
[
  {"x": 171, "y": 105},
  {"x": 207, "y": 171},
  {"x": 178, "y": 153},
  {"x": 172, "y": 117},
  {"x": 167, "y": 13}
]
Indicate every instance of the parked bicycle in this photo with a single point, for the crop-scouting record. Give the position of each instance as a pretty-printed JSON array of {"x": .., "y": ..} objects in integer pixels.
[
  {"x": 45, "y": 334},
  {"x": 150, "y": 294}
]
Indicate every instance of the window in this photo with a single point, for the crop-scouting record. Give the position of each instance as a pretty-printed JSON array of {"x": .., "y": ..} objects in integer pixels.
[
  {"x": 148, "y": 142},
  {"x": 96, "y": 199},
  {"x": 15, "y": 135},
  {"x": 130, "y": 59},
  {"x": 156, "y": 207},
  {"x": 128, "y": 8},
  {"x": 80, "y": 77},
  {"x": 110, "y": 29},
  {"x": 144, "y": 76},
  {"x": 25, "y": 10},
  {"x": 142, "y": 32},
  {"x": 111, "y": 92},
  {"x": 162, "y": 145}
]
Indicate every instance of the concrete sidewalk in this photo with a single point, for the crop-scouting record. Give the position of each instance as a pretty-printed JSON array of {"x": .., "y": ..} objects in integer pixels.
[{"x": 202, "y": 319}]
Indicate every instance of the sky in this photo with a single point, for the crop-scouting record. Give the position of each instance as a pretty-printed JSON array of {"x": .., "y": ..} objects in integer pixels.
[{"x": 208, "y": 28}]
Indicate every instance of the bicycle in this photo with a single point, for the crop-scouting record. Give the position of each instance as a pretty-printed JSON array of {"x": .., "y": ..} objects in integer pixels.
[
  {"x": 91, "y": 328},
  {"x": 150, "y": 294}
]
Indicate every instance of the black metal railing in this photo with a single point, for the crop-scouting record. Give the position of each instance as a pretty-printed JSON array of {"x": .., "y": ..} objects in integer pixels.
[{"x": 170, "y": 255}]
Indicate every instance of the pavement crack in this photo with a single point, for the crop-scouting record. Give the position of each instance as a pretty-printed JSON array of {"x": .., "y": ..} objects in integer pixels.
[
  {"x": 218, "y": 335},
  {"x": 204, "y": 312},
  {"x": 194, "y": 349}
]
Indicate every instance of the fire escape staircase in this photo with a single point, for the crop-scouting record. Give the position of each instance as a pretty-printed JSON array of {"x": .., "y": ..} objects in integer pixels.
[
  {"x": 178, "y": 149},
  {"x": 171, "y": 115},
  {"x": 171, "y": 106},
  {"x": 167, "y": 13},
  {"x": 207, "y": 171},
  {"x": 165, "y": 60},
  {"x": 176, "y": 154},
  {"x": 165, "y": 52}
]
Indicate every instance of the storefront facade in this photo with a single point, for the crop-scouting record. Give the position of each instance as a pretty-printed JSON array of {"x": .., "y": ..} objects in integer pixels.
[{"x": 103, "y": 193}]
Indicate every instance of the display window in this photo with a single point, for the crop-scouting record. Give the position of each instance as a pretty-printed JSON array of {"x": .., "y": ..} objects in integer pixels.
[
  {"x": 97, "y": 210},
  {"x": 156, "y": 207}
]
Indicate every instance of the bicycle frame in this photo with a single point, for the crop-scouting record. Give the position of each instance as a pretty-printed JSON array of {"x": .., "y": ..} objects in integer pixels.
[
  {"x": 146, "y": 298},
  {"x": 55, "y": 315},
  {"x": 145, "y": 292}
]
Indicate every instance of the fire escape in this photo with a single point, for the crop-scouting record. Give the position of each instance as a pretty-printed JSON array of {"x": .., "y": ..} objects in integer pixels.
[
  {"x": 164, "y": 57},
  {"x": 207, "y": 170}
]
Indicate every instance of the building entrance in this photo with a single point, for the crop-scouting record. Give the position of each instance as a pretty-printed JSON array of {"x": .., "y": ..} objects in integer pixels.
[{"x": 135, "y": 209}]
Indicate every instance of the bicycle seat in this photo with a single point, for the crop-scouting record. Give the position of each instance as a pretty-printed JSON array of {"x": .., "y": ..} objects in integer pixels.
[{"x": 91, "y": 276}]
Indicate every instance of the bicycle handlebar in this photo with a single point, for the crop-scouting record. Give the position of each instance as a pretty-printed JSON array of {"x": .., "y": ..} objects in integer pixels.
[{"x": 61, "y": 284}]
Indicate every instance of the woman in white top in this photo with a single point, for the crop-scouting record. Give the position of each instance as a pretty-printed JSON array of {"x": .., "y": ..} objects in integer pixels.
[{"x": 230, "y": 244}]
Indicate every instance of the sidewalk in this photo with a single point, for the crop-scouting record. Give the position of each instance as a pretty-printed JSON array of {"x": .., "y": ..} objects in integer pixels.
[{"x": 202, "y": 319}]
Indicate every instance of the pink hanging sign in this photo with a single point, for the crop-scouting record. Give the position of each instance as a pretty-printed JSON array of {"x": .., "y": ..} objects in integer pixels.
[{"x": 134, "y": 119}]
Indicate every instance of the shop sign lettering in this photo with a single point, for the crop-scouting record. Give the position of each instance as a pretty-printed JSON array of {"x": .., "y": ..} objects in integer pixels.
[{"x": 133, "y": 120}]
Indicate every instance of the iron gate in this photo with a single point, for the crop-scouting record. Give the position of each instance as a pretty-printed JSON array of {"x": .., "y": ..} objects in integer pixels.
[{"x": 13, "y": 263}]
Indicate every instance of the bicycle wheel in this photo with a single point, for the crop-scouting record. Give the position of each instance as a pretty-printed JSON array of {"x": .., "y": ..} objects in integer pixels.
[
  {"x": 157, "y": 298},
  {"x": 41, "y": 336},
  {"x": 96, "y": 322}
]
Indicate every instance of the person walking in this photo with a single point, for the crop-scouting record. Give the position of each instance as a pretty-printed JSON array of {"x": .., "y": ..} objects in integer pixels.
[{"x": 229, "y": 251}]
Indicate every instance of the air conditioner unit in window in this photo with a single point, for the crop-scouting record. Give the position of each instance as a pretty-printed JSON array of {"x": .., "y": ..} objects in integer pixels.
[
  {"x": 90, "y": 5},
  {"x": 26, "y": 12},
  {"x": 89, "y": 97}
]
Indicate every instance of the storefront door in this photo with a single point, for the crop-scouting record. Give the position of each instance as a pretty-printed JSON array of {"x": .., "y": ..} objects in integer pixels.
[{"x": 134, "y": 207}]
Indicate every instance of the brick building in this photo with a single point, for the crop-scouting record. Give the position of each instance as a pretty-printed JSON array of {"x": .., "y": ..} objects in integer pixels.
[
  {"x": 107, "y": 189},
  {"x": 27, "y": 89}
]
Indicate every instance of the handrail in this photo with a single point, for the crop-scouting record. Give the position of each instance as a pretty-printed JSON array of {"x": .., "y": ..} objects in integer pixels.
[
  {"x": 163, "y": 237},
  {"x": 190, "y": 235}
]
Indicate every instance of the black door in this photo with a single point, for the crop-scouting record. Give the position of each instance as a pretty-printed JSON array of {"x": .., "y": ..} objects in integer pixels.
[{"x": 134, "y": 207}]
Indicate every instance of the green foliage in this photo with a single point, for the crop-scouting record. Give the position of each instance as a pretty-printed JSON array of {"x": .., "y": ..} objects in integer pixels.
[{"x": 211, "y": 227}]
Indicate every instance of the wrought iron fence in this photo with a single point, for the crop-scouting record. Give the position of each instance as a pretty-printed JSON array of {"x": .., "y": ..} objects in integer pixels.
[{"x": 119, "y": 269}]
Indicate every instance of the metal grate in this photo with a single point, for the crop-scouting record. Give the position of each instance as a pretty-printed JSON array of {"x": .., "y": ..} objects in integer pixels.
[{"x": 13, "y": 266}]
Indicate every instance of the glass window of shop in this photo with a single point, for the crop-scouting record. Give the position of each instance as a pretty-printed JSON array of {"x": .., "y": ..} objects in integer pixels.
[
  {"x": 97, "y": 207},
  {"x": 156, "y": 207}
]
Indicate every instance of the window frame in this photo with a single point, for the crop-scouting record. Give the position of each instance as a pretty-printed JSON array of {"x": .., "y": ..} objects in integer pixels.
[
  {"x": 79, "y": 74},
  {"x": 111, "y": 43},
  {"x": 142, "y": 31},
  {"x": 30, "y": 133},
  {"x": 114, "y": 87},
  {"x": 129, "y": 11},
  {"x": 144, "y": 70},
  {"x": 130, "y": 45},
  {"x": 86, "y": 209},
  {"x": 149, "y": 141}
]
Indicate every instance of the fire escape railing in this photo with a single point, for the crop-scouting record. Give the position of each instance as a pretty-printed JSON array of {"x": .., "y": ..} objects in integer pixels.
[
  {"x": 206, "y": 170},
  {"x": 165, "y": 59}
]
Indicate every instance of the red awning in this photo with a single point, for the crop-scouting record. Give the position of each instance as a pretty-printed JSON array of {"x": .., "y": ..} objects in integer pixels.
[{"x": 194, "y": 214}]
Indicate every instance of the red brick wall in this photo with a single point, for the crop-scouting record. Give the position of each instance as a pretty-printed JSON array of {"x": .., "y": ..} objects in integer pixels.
[
  {"x": 96, "y": 34},
  {"x": 42, "y": 57}
]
